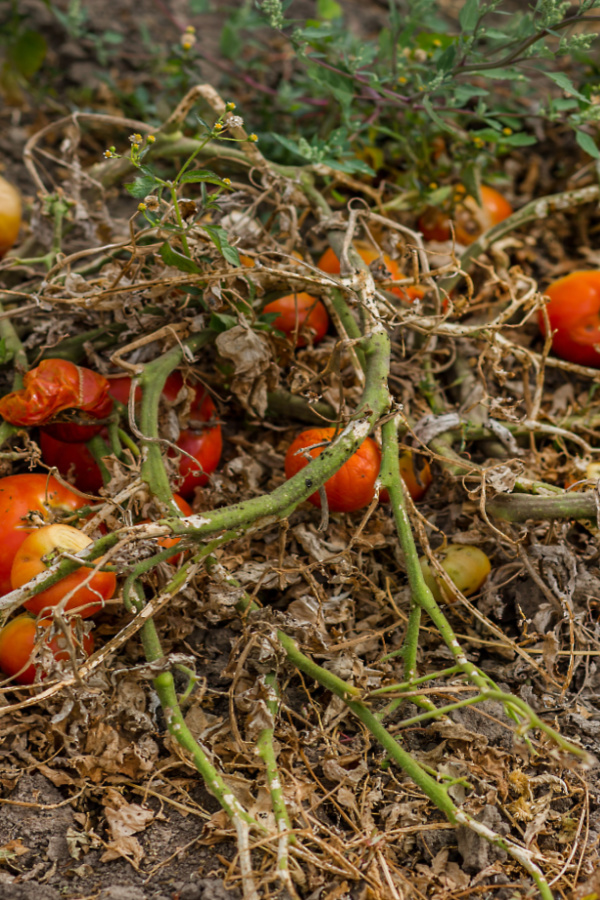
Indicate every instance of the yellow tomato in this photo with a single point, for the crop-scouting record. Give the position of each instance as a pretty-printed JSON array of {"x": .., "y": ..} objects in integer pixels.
[
  {"x": 467, "y": 566},
  {"x": 10, "y": 215}
]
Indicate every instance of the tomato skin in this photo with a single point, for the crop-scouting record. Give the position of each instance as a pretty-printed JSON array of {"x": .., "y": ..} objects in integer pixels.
[
  {"x": 73, "y": 460},
  {"x": 203, "y": 442},
  {"x": 19, "y": 495},
  {"x": 471, "y": 219},
  {"x": 467, "y": 566},
  {"x": 17, "y": 642},
  {"x": 28, "y": 563},
  {"x": 10, "y": 219},
  {"x": 574, "y": 314},
  {"x": 330, "y": 263},
  {"x": 353, "y": 486},
  {"x": 299, "y": 313},
  {"x": 415, "y": 480},
  {"x": 52, "y": 387}
]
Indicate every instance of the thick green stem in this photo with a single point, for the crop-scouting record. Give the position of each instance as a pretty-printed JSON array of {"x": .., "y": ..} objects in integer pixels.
[{"x": 522, "y": 507}]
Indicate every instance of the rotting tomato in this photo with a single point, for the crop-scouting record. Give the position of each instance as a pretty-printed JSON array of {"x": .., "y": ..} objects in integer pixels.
[
  {"x": 10, "y": 215},
  {"x": 353, "y": 485},
  {"x": 416, "y": 475},
  {"x": 330, "y": 263},
  {"x": 21, "y": 495},
  {"x": 574, "y": 316},
  {"x": 298, "y": 315},
  {"x": 74, "y": 462},
  {"x": 467, "y": 566},
  {"x": 36, "y": 554},
  {"x": 18, "y": 642},
  {"x": 200, "y": 440},
  {"x": 470, "y": 219},
  {"x": 53, "y": 387}
]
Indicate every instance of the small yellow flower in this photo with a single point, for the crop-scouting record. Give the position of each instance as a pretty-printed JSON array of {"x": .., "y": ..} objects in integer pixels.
[
  {"x": 436, "y": 42},
  {"x": 135, "y": 147},
  {"x": 433, "y": 185},
  {"x": 230, "y": 106},
  {"x": 190, "y": 29},
  {"x": 218, "y": 126},
  {"x": 142, "y": 207},
  {"x": 227, "y": 181},
  {"x": 507, "y": 131},
  {"x": 478, "y": 142},
  {"x": 107, "y": 154},
  {"x": 402, "y": 80},
  {"x": 150, "y": 138},
  {"x": 253, "y": 138}
]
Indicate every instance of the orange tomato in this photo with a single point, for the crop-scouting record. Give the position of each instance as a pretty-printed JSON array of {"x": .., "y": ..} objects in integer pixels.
[
  {"x": 17, "y": 644},
  {"x": 330, "y": 263},
  {"x": 298, "y": 313},
  {"x": 30, "y": 560},
  {"x": 574, "y": 314},
  {"x": 416, "y": 480},
  {"x": 10, "y": 215},
  {"x": 470, "y": 219}
]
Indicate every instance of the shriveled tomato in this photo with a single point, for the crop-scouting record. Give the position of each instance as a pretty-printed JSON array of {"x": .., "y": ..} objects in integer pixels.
[
  {"x": 39, "y": 550},
  {"x": 467, "y": 566},
  {"x": 574, "y": 314},
  {"x": 470, "y": 219},
  {"x": 19, "y": 496},
  {"x": 18, "y": 642},
  {"x": 416, "y": 475},
  {"x": 53, "y": 387},
  {"x": 73, "y": 461},
  {"x": 298, "y": 315},
  {"x": 167, "y": 542},
  {"x": 200, "y": 440},
  {"x": 330, "y": 263},
  {"x": 353, "y": 486},
  {"x": 10, "y": 215}
]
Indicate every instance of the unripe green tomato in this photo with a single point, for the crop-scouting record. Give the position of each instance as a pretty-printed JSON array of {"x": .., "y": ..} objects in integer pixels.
[{"x": 467, "y": 566}]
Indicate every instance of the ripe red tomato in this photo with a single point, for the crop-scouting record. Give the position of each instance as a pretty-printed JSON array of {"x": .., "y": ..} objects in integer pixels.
[
  {"x": 17, "y": 643},
  {"x": 298, "y": 313},
  {"x": 167, "y": 542},
  {"x": 574, "y": 314},
  {"x": 29, "y": 561},
  {"x": 467, "y": 566},
  {"x": 73, "y": 461},
  {"x": 470, "y": 219},
  {"x": 353, "y": 486},
  {"x": 10, "y": 219},
  {"x": 330, "y": 263},
  {"x": 416, "y": 479},
  {"x": 20, "y": 495},
  {"x": 204, "y": 443}
]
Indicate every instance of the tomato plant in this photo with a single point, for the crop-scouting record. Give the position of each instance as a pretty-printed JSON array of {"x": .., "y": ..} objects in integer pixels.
[
  {"x": 470, "y": 219},
  {"x": 299, "y": 314},
  {"x": 330, "y": 263},
  {"x": 52, "y": 387},
  {"x": 73, "y": 461},
  {"x": 39, "y": 550},
  {"x": 201, "y": 441},
  {"x": 467, "y": 566},
  {"x": 18, "y": 643},
  {"x": 10, "y": 215},
  {"x": 19, "y": 496},
  {"x": 574, "y": 316},
  {"x": 353, "y": 486}
]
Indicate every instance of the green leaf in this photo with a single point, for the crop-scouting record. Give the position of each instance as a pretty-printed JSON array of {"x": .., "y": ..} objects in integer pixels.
[
  {"x": 565, "y": 84},
  {"x": 471, "y": 178},
  {"x": 219, "y": 238},
  {"x": 518, "y": 140},
  {"x": 28, "y": 53},
  {"x": 587, "y": 144},
  {"x": 437, "y": 119},
  {"x": 469, "y": 15},
  {"x": 172, "y": 258},
  {"x": 202, "y": 175},
  {"x": 445, "y": 60},
  {"x": 142, "y": 186},
  {"x": 220, "y": 322},
  {"x": 329, "y": 9}
]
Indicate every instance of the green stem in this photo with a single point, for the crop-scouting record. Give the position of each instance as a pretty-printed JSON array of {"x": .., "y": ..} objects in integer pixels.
[{"x": 266, "y": 751}]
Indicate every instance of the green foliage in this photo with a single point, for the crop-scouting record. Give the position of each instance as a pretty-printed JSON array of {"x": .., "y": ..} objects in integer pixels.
[{"x": 22, "y": 53}]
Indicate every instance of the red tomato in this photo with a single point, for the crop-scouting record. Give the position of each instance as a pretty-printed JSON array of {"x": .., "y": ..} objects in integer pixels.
[
  {"x": 204, "y": 443},
  {"x": 17, "y": 643},
  {"x": 574, "y": 314},
  {"x": 53, "y": 387},
  {"x": 73, "y": 461},
  {"x": 471, "y": 220},
  {"x": 299, "y": 313},
  {"x": 167, "y": 542},
  {"x": 120, "y": 388},
  {"x": 331, "y": 264},
  {"x": 20, "y": 495},
  {"x": 353, "y": 486},
  {"x": 29, "y": 561},
  {"x": 416, "y": 480},
  {"x": 10, "y": 219}
]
